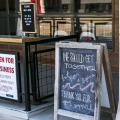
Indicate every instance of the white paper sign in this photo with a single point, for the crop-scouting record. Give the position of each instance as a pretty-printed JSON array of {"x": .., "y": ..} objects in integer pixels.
[
  {"x": 25, "y": 0},
  {"x": 8, "y": 78}
]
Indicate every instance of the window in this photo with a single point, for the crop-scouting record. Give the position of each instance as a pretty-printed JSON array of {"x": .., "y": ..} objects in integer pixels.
[
  {"x": 58, "y": 6},
  {"x": 81, "y": 6},
  {"x": 8, "y": 17},
  {"x": 95, "y": 7},
  {"x": 94, "y": 16}
]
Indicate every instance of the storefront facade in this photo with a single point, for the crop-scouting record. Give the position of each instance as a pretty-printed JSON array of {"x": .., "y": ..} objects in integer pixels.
[
  {"x": 96, "y": 16},
  {"x": 35, "y": 56}
]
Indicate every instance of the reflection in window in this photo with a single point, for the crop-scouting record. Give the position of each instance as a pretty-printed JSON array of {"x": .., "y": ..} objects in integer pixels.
[
  {"x": 95, "y": 6},
  {"x": 58, "y": 6},
  {"x": 103, "y": 29},
  {"x": 8, "y": 17},
  {"x": 82, "y": 6}
]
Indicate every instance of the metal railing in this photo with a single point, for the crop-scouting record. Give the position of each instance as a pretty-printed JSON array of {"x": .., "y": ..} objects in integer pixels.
[
  {"x": 43, "y": 74},
  {"x": 39, "y": 68},
  {"x": 50, "y": 25}
]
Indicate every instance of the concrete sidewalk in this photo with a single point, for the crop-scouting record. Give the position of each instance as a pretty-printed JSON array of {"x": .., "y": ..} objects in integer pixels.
[{"x": 48, "y": 115}]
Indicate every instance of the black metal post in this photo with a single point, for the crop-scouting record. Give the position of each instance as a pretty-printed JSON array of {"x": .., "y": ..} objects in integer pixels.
[
  {"x": 72, "y": 19},
  {"x": 19, "y": 77},
  {"x": 33, "y": 75},
  {"x": 75, "y": 18},
  {"x": 53, "y": 27},
  {"x": 26, "y": 78}
]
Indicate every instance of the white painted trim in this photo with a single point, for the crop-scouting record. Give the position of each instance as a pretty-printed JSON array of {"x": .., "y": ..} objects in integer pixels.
[
  {"x": 25, "y": 0},
  {"x": 75, "y": 115},
  {"x": 118, "y": 111}
]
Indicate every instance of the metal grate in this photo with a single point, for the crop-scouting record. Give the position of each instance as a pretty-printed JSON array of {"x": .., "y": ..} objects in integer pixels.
[
  {"x": 46, "y": 28},
  {"x": 45, "y": 73},
  {"x": 65, "y": 26},
  {"x": 103, "y": 29}
]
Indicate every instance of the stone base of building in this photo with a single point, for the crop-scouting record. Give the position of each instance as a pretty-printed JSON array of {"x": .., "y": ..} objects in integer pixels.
[{"x": 18, "y": 110}]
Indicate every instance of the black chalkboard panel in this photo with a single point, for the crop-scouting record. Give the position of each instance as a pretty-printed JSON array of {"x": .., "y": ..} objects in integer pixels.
[
  {"x": 28, "y": 18},
  {"x": 77, "y": 80}
]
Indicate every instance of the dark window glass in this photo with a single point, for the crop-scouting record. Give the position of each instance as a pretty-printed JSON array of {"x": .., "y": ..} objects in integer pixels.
[
  {"x": 57, "y": 6},
  {"x": 95, "y": 7},
  {"x": 8, "y": 17},
  {"x": 81, "y": 6}
]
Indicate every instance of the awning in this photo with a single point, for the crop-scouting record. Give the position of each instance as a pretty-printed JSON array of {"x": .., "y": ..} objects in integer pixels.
[{"x": 95, "y": 1}]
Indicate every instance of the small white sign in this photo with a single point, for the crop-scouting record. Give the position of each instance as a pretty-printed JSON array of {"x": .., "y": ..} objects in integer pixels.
[
  {"x": 25, "y": 0},
  {"x": 8, "y": 77}
]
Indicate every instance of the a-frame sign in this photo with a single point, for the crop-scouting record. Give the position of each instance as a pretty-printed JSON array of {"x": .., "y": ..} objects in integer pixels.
[{"x": 82, "y": 72}]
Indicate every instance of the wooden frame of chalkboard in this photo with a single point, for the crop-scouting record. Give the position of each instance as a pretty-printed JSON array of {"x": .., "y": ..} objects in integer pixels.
[
  {"x": 66, "y": 103},
  {"x": 28, "y": 17},
  {"x": 108, "y": 104}
]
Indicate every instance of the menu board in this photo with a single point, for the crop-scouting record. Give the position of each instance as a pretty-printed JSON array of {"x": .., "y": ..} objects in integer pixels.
[
  {"x": 77, "y": 80},
  {"x": 78, "y": 73},
  {"x": 28, "y": 18}
]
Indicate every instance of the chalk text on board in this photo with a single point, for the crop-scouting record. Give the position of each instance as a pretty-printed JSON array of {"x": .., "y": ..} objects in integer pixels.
[
  {"x": 76, "y": 96},
  {"x": 82, "y": 67},
  {"x": 77, "y": 80},
  {"x": 77, "y": 58},
  {"x": 82, "y": 106}
]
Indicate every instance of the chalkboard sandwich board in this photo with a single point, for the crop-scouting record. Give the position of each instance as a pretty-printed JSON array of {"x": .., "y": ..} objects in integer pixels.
[
  {"x": 78, "y": 68},
  {"x": 28, "y": 17}
]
